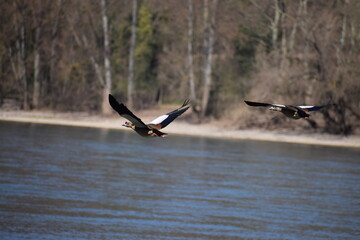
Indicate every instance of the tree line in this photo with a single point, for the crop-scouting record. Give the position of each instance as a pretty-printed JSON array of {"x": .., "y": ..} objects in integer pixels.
[{"x": 69, "y": 55}]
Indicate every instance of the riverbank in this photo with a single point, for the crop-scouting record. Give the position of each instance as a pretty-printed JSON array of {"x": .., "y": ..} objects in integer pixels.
[{"x": 179, "y": 127}]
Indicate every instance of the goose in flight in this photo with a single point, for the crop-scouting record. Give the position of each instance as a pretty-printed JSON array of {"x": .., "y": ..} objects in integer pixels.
[
  {"x": 294, "y": 112},
  {"x": 151, "y": 129}
]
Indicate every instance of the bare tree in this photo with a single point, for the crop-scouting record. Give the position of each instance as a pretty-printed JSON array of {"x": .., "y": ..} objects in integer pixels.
[
  {"x": 190, "y": 52},
  {"x": 275, "y": 24},
  {"x": 107, "y": 86},
  {"x": 284, "y": 40},
  {"x": 210, "y": 37},
  {"x": 21, "y": 72},
  {"x": 54, "y": 37},
  {"x": 274, "y": 50},
  {"x": 38, "y": 28},
  {"x": 130, "y": 88}
]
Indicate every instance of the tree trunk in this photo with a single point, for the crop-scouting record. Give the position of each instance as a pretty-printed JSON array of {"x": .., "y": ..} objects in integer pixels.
[
  {"x": 305, "y": 31},
  {"x": 208, "y": 61},
  {"x": 36, "y": 86},
  {"x": 284, "y": 64},
  {"x": 190, "y": 53},
  {"x": 22, "y": 65},
  {"x": 20, "y": 47},
  {"x": 343, "y": 26},
  {"x": 98, "y": 71},
  {"x": 294, "y": 29},
  {"x": 107, "y": 86},
  {"x": 130, "y": 89},
  {"x": 54, "y": 35},
  {"x": 309, "y": 92},
  {"x": 275, "y": 25}
]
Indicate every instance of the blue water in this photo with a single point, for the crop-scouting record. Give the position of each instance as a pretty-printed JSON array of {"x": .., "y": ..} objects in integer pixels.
[{"x": 62, "y": 182}]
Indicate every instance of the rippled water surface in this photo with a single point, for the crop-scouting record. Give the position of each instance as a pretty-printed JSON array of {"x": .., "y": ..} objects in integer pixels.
[{"x": 62, "y": 182}]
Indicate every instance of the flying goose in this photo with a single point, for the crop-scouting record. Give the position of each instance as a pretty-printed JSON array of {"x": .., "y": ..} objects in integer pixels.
[
  {"x": 151, "y": 129},
  {"x": 294, "y": 112}
]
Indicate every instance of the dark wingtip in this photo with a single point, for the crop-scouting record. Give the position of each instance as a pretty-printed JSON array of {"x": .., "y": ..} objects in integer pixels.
[
  {"x": 256, "y": 104},
  {"x": 111, "y": 97},
  {"x": 329, "y": 105},
  {"x": 114, "y": 103}
]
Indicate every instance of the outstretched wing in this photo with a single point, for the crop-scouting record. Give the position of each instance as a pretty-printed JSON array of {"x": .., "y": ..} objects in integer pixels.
[
  {"x": 257, "y": 104},
  {"x": 166, "y": 119},
  {"x": 125, "y": 112},
  {"x": 314, "y": 108}
]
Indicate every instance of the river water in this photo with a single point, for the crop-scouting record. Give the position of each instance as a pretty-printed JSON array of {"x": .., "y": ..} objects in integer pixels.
[{"x": 61, "y": 182}]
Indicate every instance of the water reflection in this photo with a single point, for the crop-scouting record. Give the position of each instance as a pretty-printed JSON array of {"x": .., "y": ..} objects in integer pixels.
[{"x": 81, "y": 183}]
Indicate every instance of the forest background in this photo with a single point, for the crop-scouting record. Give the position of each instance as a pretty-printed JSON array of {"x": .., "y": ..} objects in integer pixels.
[{"x": 68, "y": 55}]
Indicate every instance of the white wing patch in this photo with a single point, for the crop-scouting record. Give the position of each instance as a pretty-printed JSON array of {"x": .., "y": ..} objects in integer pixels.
[
  {"x": 305, "y": 106},
  {"x": 159, "y": 119},
  {"x": 277, "y": 105}
]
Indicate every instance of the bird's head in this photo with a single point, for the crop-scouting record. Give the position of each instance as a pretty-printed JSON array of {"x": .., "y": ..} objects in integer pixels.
[{"x": 129, "y": 125}]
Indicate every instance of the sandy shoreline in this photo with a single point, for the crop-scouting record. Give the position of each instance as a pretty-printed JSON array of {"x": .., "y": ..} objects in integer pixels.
[{"x": 180, "y": 127}]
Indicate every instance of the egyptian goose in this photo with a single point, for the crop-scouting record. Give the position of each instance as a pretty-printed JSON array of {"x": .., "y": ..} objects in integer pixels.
[
  {"x": 294, "y": 112},
  {"x": 151, "y": 129}
]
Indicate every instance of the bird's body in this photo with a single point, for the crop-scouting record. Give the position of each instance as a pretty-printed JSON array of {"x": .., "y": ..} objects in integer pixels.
[
  {"x": 294, "y": 112},
  {"x": 144, "y": 131},
  {"x": 153, "y": 128}
]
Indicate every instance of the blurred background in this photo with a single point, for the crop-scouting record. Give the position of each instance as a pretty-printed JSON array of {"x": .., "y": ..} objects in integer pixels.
[
  {"x": 69, "y": 55},
  {"x": 66, "y": 56}
]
